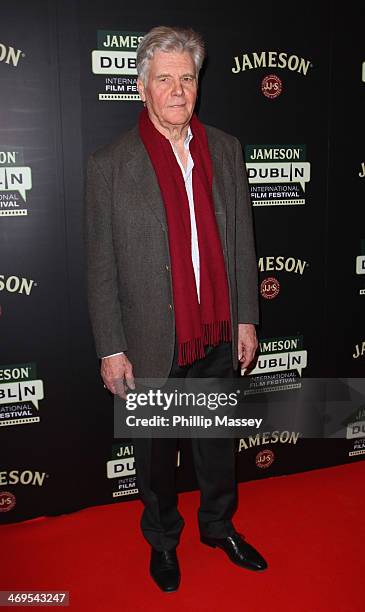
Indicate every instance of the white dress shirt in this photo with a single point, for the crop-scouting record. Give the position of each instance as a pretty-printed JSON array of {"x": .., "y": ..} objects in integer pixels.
[{"x": 188, "y": 180}]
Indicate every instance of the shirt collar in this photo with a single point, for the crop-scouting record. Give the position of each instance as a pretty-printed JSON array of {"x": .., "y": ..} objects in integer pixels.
[{"x": 188, "y": 138}]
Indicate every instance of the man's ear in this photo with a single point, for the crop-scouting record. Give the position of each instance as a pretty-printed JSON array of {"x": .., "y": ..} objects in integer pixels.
[{"x": 141, "y": 90}]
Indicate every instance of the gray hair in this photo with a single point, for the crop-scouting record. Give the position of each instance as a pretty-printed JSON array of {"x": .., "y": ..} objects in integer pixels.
[{"x": 166, "y": 39}]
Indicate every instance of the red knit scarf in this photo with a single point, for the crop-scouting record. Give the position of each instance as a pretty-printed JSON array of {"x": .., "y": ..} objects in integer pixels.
[{"x": 207, "y": 323}]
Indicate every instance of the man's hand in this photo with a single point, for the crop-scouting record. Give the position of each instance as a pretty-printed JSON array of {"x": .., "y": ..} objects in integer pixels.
[
  {"x": 117, "y": 374},
  {"x": 247, "y": 344}
]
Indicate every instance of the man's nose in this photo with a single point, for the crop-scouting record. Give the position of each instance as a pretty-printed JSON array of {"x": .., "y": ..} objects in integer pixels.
[{"x": 177, "y": 89}]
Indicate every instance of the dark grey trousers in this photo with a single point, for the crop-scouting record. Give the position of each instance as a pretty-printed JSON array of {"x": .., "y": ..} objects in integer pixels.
[{"x": 214, "y": 462}]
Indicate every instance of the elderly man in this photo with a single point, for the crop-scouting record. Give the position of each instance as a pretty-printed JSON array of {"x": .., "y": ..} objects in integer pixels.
[{"x": 172, "y": 282}]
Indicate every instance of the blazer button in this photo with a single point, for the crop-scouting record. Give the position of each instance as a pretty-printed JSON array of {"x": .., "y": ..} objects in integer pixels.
[
  {"x": 167, "y": 267},
  {"x": 170, "y": 306}
]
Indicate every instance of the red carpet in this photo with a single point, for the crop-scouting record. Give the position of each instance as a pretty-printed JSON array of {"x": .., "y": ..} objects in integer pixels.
[{"x": 309, "y": 526}]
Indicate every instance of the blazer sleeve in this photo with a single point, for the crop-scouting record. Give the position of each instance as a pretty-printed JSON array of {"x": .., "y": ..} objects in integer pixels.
[
  {"x": 246, "y": 264},
  {"x": 102, "y": 273}
]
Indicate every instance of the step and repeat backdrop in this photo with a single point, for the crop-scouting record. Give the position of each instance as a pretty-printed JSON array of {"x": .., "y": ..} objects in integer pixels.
[{"x": 289, "y": 82}]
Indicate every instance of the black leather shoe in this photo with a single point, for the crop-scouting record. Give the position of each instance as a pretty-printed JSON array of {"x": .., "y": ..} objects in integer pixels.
[
  {"x": 239, "y": 551},
  {"x": 164, "y": 569}
]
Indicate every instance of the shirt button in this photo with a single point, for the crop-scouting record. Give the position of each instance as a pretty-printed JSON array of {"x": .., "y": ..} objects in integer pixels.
[
  {"x": 167, "y": 267},
  {"x": 170, "y": 306}
]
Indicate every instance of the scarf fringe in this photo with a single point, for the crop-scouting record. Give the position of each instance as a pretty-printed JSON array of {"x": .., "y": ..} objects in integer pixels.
[
  {"x": 217, "y": 331},
  {"x": 213, "y": 334}
]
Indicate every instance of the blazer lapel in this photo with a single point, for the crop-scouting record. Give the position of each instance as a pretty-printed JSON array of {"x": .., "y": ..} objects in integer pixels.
[
  {"x": 144, "y": 175},
  {"x": 218, "y": 189}
]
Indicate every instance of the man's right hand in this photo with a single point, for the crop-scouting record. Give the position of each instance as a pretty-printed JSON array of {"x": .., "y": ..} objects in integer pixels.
[{"x": 117, "y": 374}]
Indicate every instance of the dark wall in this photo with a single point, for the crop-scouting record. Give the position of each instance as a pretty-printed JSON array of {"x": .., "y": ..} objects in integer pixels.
[{"x": 298, "y": 115}]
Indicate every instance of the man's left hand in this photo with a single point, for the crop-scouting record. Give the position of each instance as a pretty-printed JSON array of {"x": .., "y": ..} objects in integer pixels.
[{"x": 247, "y": 344}]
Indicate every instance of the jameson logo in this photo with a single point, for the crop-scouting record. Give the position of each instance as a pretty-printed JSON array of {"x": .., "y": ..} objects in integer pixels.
[
  {"x": 128, "y": 41},
  {"x": 122, "y": 470},
  {"x": 20, "y": 392},
  {"x": 273, "y": 437},
  {"x": 277, "y": 174},
  {"x": 270, "y": 59},
  {"x": 15, "y": 181},
  {"x": 16, "y": 284},
  {"x": 279, "y": 365},
  {"x": 23, "y": 477},
  {"x": 359, "y": 350},
  {"x": 9, "y": 55},
  {"x": 281, "y": 263},
  {"x": 116, "y": 57},
  {"x": 270, "y": 285}
]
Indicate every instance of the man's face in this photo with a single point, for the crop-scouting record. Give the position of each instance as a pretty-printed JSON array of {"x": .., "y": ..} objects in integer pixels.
[{"x": 171, "y": 90}]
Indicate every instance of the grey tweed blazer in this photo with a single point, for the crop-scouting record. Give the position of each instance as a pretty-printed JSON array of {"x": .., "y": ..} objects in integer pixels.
[{"x": 127, "y": 252}]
